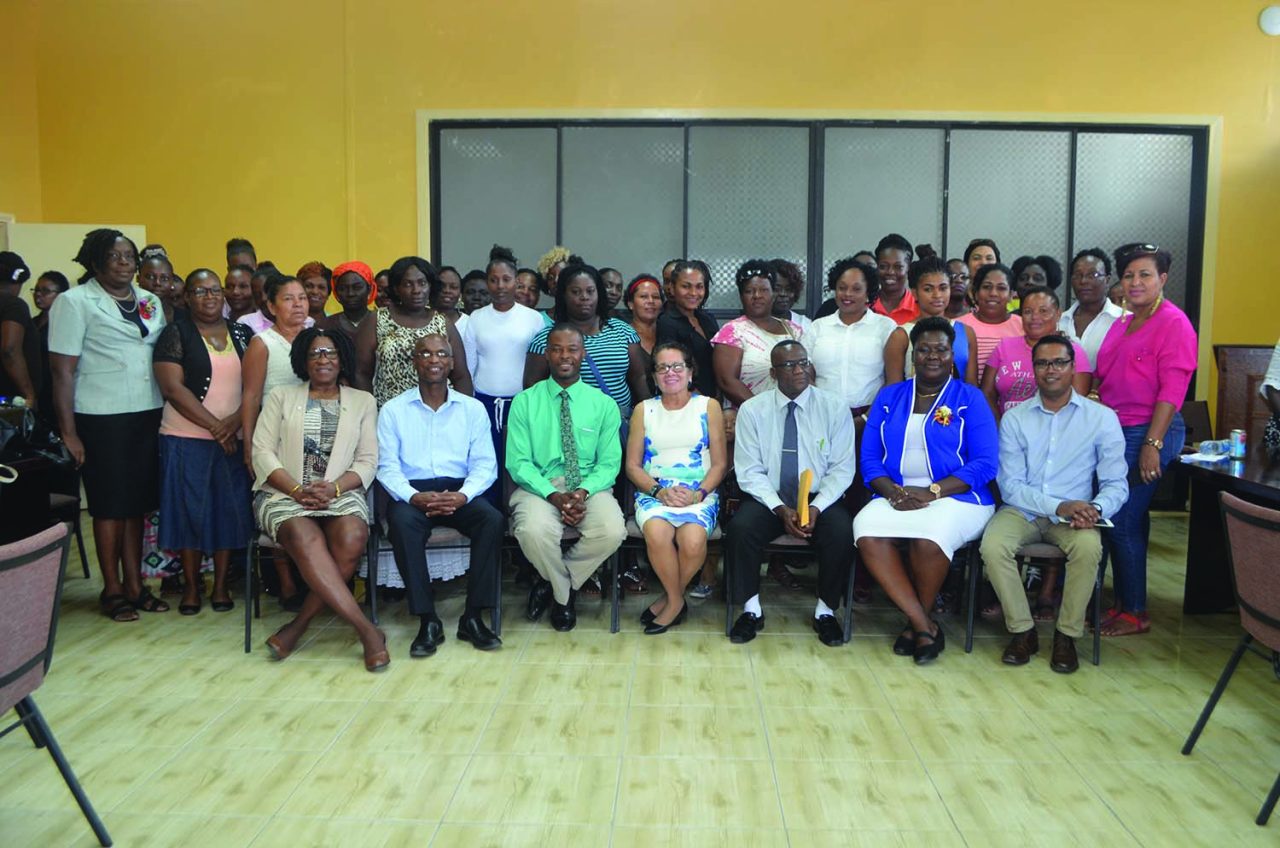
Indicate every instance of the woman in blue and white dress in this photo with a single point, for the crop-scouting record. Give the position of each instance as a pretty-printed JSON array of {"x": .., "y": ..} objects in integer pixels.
[{"x": 676, "y": 459}]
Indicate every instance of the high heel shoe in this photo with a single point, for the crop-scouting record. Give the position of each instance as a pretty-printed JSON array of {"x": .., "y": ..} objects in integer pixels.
[
  {"x": 925, "y": 654},
  {"x": 379, "y": 660},
  {"x": 654, "y": 628}
]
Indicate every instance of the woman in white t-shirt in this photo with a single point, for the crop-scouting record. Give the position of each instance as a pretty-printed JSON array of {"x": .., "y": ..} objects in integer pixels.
[{"x": 496, "y": 339}]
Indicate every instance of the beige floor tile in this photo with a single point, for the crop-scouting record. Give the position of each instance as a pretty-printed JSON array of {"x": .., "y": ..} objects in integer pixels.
[
  {"x": 327, "y": 833},
  {"x": 691, "y": 793},
  {"x": 473, "y": 679},
  {"x": 875, "y": 838},
  {"x": 177, "y": 831},
  {"x": 579, "y": 647},
  {"x": 1087, "y": 689},
  {"x": 697, "y": 837},
  {"x": 1014, "y": 796},
  {"x": 1230, "y": 735},
  {"x": 772, "y": 651},
  {"x": 429, "y": 727},
  {"x": 940, "y": 688},
  {"x": 536, "y": 790},
  {"x": 696, "y": 731},
  {"x": 573, "y": 684},
  {"x": 827, "y": 733},
  {"x": 277, "y": 725},
  {"x": 1177, "y": 796},
  {"x": 375, "y": 785},
  {"x": 451, "y": 835},
  {"x": 88, "y": 674},
  {"x": 1077, "y": 838},
  {"x": 854, "y": 688},
  {"x": 108, "y": 773},
  {"x": 321, "y": 680},
  {"x": 560, "y": 729},
  {"x": 29, "y": 827},
  {"x": 684, "y": 648},
  {"x": 692, "y": 686},
  {"x": 1100, "y": 735},
  {"x": 236, "y": 674},
  {"x": 1006, "y": 735},
  {"x": 165, "y": 722},
  {"x": 1252, "y": 687},
  {"x": 866, "y": 796},
  {"x": 218, "y": 782}
]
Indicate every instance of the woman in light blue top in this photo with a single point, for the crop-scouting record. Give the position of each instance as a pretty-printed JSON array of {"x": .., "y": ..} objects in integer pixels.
[{"x": 101, "y": 336}]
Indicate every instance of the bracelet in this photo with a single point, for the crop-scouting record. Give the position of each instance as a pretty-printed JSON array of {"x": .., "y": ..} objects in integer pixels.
[
  {"x": 1158, "y": 444},
  {"x": 704, "y": 494},
  {"x": 337, "y": 490},
  {"x": 295, "y": 488}
]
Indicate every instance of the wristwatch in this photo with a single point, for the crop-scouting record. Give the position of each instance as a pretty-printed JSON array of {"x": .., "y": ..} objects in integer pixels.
[
  {"x": 936, "y": 489},
  {"x": 657, "y": 487},
  {"x": 1158, "y": 444},
  {"x": 1096, "y": 506}
]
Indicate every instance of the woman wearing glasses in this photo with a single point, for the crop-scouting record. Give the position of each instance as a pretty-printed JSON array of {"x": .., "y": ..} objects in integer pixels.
[
  {"x": 1145, "y": 364},
  {"x": 314, "y": 452},
  {"x": 204, "y": 485},
  {"x": 1093, "y": 313},
  {"x": 675, "y": 459}
]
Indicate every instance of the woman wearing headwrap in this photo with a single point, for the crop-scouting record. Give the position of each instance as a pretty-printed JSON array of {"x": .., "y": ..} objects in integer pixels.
[{"x": 355, "y": 290}]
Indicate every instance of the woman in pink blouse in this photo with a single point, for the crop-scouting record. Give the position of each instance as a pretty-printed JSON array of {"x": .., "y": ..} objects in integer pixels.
[
  {"x": 1144, "y": 367},
  {"x": 991, "y": 320},
  {"x": 1010, "y": 378},
  {"x": 741, "y": 348}
]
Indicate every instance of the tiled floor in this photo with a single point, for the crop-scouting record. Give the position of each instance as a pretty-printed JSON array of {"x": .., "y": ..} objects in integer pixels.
[{"x": 683, "y": 739}]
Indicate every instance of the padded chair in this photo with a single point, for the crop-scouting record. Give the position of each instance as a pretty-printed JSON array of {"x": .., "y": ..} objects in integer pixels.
[
  {"x": 1033, "y": 551},
  {"x": 31, "y": 573},
  {"x": 1253, "y": 534},
  {"x": 791, "y": 546}
]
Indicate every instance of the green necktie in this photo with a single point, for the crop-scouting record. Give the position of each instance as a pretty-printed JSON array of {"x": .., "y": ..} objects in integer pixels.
[{"x": 572, "y": 474}]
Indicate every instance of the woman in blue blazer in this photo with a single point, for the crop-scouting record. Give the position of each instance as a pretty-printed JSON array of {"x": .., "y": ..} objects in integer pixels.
[{"x": 929, "y": 455}]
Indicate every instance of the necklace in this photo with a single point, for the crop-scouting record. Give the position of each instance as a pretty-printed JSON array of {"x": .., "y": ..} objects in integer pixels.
[
  {"x": 921, "y": 394},
  {"x": 120, "y": 301}
]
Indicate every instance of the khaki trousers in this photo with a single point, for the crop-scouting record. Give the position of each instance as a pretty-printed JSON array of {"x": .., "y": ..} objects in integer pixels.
[
  {"x": 1007, "y": 531},
  {"x": 537, "y": 527}
]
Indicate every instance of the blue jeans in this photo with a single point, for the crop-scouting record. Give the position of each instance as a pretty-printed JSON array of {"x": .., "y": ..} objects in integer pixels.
[{"x": 1128, "y": 540}]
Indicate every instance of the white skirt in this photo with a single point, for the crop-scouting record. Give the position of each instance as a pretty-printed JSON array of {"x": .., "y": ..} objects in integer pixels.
[{"x": 947, "y": 522}]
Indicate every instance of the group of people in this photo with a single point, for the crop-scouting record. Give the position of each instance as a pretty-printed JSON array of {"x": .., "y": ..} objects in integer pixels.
[{"x": 930, "y": 405}]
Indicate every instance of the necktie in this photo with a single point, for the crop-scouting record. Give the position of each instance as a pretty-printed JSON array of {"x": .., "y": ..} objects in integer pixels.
[
  {"x": 569, "y": 447},
  {"x": 789, "y": 473}
]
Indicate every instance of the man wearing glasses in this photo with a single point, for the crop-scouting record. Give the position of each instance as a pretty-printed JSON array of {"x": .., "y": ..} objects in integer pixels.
[
  {"x": 435, "y": 459},
  {"x": 1062, "y": 470},
  {"x": 781, "y": 433}
]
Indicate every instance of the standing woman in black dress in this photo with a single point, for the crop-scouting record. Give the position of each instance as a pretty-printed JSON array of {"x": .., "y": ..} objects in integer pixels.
[{"x": 101, "y": 336}]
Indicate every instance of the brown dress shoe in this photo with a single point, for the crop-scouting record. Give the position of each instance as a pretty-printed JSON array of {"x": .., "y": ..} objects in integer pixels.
[
  {"x": 1021, "y": 648},
  {"x": 1064, "y": 660}
]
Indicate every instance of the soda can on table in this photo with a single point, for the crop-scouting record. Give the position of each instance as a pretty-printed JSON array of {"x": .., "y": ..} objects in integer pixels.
[{"x": 1238, "y": 444}]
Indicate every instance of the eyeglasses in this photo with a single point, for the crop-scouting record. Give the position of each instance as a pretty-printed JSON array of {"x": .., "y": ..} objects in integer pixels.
[
  {"x": 1053, "y": 364},
  {"x": 116, "y": 256},
  {"x": 201, "y": 294},
  {"x": 672, "y": 367},
  {"x": 38, "y": 290},
  {"x": 1080, "y": 278},
  {"x": 428, "y": 354},
  {"x": 959, "y": 276},
  {"x": 792, "y": 364},
  {"x": 330, "y": 353}
]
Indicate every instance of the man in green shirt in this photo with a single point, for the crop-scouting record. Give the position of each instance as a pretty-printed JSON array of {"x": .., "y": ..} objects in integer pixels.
[{"x": 564, "y": 452}]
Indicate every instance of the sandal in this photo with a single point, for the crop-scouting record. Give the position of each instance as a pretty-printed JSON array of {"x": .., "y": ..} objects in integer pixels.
[
  {"x": 1135, "y": 624},
  {"x": 1108, "y": 616},
  {"x": 593, "y": 587},
  {"x": 1044, "y": 611},
  {"x": 633, "y": 582},
  {"x": 147, "y": 602},
  {"x": 779, "y": 572},
  {"x": 117, "y": 607},
  {"x": 189, "y": 609}
]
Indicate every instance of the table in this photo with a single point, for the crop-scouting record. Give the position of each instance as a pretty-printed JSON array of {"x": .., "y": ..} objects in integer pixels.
[
  {"x": 1208, "y": 586},
  {"x": 24, "y": 503}
]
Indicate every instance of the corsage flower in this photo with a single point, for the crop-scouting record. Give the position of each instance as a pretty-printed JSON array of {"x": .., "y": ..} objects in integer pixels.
[
  {"x": 146, "y": 308},
  {"x": 942, "y": 415}
]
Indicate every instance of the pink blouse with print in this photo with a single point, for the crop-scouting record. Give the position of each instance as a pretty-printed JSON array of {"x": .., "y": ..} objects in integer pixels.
[
  {"x": 1015, "y": 373},
  {"x": 1151, "y": 365}
]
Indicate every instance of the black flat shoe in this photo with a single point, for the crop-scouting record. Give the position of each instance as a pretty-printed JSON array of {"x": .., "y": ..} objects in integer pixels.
[
  {"x": 746, "y": 628},
  {"x": 647, "y": 617},
  {"x": 430, "y": 636},
  {"x": 653, "y": 628},
  {"x": 829, "y": 631},
  {"x": 905, "y": 645},
  {"x": 188, "y": 609},
  {"x": 472, "y": 629},
  {"x": 925, "y": 654},
  {"x": 222, "y": 606}
]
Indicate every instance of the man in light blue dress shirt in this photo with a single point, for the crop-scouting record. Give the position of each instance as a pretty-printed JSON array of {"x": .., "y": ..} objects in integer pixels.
[
  {"x": 435, "y": 459},
  {"x": 1062, "y": 469}
]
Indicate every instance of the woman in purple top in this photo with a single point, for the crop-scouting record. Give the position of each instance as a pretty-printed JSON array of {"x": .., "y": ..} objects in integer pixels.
[
  {"x": 1144, "y": 367},
  {"x": 1010, "y": 378}
]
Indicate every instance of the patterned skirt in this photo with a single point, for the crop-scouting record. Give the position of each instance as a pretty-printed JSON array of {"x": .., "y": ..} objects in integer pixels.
[{"x": 272, "y": 509}]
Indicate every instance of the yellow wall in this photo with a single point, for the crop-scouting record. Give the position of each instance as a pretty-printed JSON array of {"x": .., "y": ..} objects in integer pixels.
[
  {"x": 19, "y": 122},
  {"x": 293, "y": 122}
]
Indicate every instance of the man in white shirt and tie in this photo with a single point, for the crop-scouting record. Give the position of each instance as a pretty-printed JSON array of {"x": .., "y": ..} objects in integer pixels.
[
  {"x": 779, "y": 434},
  {"x": 435, "y": 459}
]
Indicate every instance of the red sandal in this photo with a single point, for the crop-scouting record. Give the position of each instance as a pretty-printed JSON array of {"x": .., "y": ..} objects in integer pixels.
[{"x": 1140, "y": 623}]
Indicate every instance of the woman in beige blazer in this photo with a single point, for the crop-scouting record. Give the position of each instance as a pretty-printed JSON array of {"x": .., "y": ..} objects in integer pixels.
[{"x": 315, "y": 451}]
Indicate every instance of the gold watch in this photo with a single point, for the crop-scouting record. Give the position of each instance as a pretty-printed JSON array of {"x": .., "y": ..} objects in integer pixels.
[{"x": 936, "y": 489}]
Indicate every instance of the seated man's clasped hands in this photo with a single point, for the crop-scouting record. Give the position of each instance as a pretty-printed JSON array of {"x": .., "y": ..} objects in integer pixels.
[
  {"x": 780, "y": 433},
  {"x": 1053, "y": 447},
  {"x": 435, "y": 459},
  {"x": 563, "y": 453}
]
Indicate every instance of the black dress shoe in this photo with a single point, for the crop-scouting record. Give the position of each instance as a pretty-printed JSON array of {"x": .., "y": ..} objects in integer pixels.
[
  {"x": 653, "y": 628},
  {"x": 927, "y": 653},
  {"x": 539, "y": 599},
  {"x": 471, "y": 628},
  {"x": 563, "y": 617},
  {"x": 430, "y": 636},
  {"x": 746, "y": 628},
  {"x": 829, "y": 631},
  {"x": 905, "y": 645}
]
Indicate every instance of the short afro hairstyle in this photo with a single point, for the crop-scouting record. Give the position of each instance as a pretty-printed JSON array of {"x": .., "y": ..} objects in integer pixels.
[
  {"x": 869, "y": 273},
  {"x": 1052, "y": 270},
  {"x": 933, "y": 324}
]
